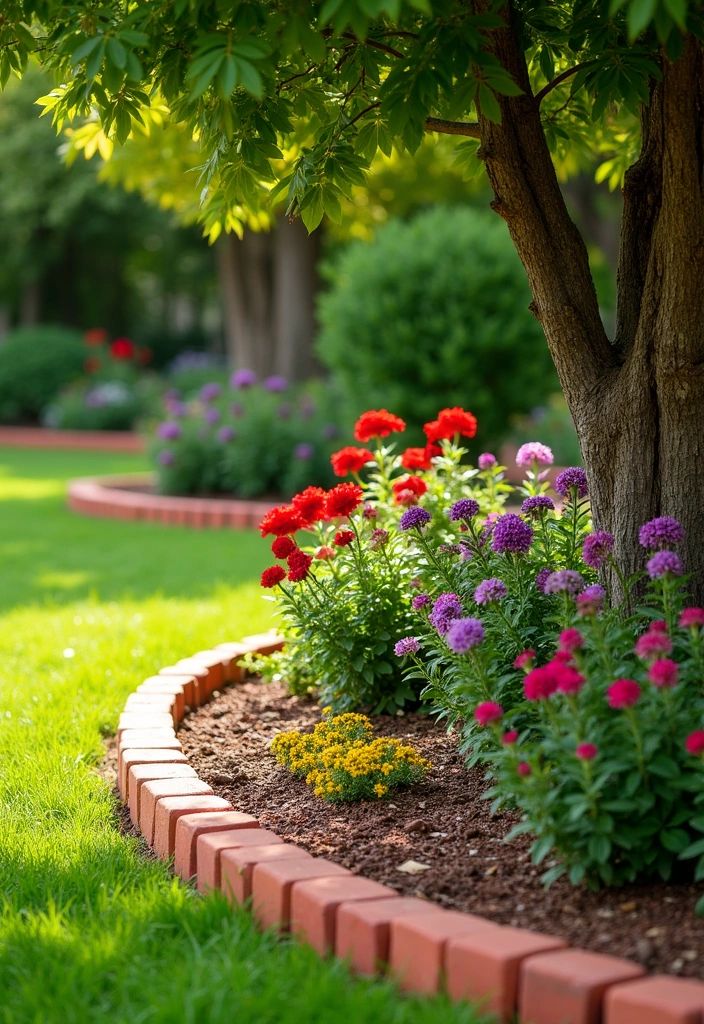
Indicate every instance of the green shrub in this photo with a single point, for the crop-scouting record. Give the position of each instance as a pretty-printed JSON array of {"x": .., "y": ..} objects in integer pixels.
[
  {"x": 109, "y": 405},
  {"x": 35, "y": 364},
  {"x": 434, "y": 313}
]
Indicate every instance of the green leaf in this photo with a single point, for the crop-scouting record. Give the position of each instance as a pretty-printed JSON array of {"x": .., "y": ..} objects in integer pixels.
[
  {"x": 640, "y": 14},
  {"x": 541, "y": 848},
  {"x": 674, "y": 839},
  {"x": 600, "y": 848},
  {"x": 250, "y": 78},
  {"x": 133, "y": 37},
  {"x": 677, "y": 9},
  {"x": 85, "y": 48},
  {"x": 312, "y": 212},
  {"x": 95, "y": 60},
  {"x": 489, "y": 104},
  {"x": 695, "y": 850},
  {"x": 664, "y": 767},
  {"x": 227, "y": 78},
  {"x": 116, "y": 52}
]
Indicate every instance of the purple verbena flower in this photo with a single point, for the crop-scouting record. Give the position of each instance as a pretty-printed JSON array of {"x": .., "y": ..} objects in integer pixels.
[
  {"x": 541, "y": 579},
  {"x": 487, "y": 461},
  {"x": 211, "y": 415},
  {"x": 464, "y": 634},
  {"x": 408, "y": 645},
  {"x": 572, "y": 479},
  {"x": 304, "y": 451},
  {"x": 243, "y": 379},
  {"x": 660, "y": 533},
  {"x": 597, "y": 548},
  {"x": 166, "y": 457},
  {"x": 169, "y": 431},
  {"x": 209, "y": 392},
  {"x": 532, "y": 452},
  {"x": 662, "y": 563},
  {"x": 420, "y": 601},
  {"x": 226, "y": 433},
  {"x": 564, "y": 581},
  {"x": 465, "y": 508},
  {"x": 275, "y": 384},
  {"x": 446, "y": 609},
  {"x": 591, "y": 600},
  {"x": 511, "y": 534},
  {"x": 535, "y": 505},
  {"x": 176, "y": 408},
  {"x": 490, "y": 590},
  {"x": 414, "y": 518}
]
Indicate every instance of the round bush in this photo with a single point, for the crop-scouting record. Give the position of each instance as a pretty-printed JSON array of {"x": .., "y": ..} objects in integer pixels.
[
  {"x": 35, "y": 364},
  {"x": 433, "y": 313}
]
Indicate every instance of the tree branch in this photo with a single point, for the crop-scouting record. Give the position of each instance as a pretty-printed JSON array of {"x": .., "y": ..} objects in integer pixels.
[
  {"x": 559, "y": 80},
  {"x": 437, "y": 124},
  {"x": 375, "y": 44},
  {"x": 372, "y": 106}
]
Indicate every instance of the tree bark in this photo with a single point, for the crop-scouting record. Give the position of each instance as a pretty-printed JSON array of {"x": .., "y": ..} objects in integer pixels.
[{"x": 637, "y": 404}]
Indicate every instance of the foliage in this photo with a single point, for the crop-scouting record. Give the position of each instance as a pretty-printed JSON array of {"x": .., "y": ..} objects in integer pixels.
[
  {"x": 425, "y": 313},
  {"x": 342, "y": 762},
  {"x": 251, "y": 441},
  {"x": 35, "y": 363}
]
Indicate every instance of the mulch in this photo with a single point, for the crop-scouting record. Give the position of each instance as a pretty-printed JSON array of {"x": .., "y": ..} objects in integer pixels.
[{"x": 443, "y": 824}]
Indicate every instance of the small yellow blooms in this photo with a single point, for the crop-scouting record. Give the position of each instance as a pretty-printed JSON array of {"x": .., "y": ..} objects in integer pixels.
[{"x": 341, "y": 761}]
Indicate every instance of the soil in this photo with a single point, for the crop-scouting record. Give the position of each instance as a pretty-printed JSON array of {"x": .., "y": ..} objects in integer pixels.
[{"x": 443, "y": 824}]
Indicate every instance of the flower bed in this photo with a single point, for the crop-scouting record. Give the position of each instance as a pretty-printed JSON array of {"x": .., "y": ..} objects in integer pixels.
[{"x": 93, "y": 440}]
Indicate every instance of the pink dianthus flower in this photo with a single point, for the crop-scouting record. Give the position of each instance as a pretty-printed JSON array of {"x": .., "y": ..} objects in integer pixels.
[
  {"x": 663, "y": 673},
  {"x": 488, "y": 712},
  {"x": 624, "y": 693}
]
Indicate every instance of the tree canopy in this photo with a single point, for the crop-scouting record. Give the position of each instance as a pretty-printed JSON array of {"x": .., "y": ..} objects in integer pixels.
[{"x": 296, "y": 97}]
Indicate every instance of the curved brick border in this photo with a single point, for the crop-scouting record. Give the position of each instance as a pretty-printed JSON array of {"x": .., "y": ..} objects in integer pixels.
[
  {"x": 129, "y": 497},
  {"x": 426, "y": 948},
  {"x": 94, "y": 440}
]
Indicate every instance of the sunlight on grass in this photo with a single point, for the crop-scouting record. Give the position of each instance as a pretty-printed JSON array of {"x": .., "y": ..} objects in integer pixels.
[{"x": 29, "y": 489}]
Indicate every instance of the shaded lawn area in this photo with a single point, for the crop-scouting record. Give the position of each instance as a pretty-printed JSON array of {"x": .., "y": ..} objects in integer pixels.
[{"x": 90, "y": 930}]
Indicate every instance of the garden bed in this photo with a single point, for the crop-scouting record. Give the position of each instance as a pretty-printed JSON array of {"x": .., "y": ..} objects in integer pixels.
[
  {"x": 442, "y": 823},
  {"x": 93, "y": 440}
]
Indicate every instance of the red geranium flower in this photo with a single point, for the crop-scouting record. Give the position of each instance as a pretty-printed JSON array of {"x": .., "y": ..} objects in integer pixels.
[
  {"x": 342, "y": 500},
  {"x": 343, "y": 538},
  {"x": 350, "y": 460},
  {"x": 450, "y": 422},
  {"x": 282, "y": 547},
  {"x": 122, "y": 348},
  {"x": 417, "y": 458},
  {"x": 273, "y": 576},
  {"x": 414, "y": 484},
  {"x": 310, "y": 504},
  {"x": 281, "y": 520},
  {"x": 96, "y": 336},
  {"x": 91, "y": 364},
  {"x": 377, "y": 423},
  {"x": 298, "y": 565}
]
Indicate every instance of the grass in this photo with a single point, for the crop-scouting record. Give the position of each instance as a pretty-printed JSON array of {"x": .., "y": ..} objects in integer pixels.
[{"x": 91, "y": 932}]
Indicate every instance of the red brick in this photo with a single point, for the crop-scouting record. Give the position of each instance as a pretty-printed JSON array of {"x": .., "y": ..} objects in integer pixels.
[
  {"x": 568, "y": 987},
  {"x": 484, "y": 967},
  {"x": 235, "y": 651},
  {"x": 141, "y": 773},
  {"x": 213, "y": 661},
  {"x": 143, "y": 755},
  {"x": 314, "y": 906},
  {"x": 168, "y": 811},
  {"x": 209, "y": 847},
  {"x": 166, "y": 738},
  {"x": 272, "y": 882},
  {"x": 153, "y": 692},
  {"x": 184, "y": 684},
  {"x": 199, "y": 674},
  {"x": 264, "y": 643},
  {"x": 417, "y": 946},
  {"x": 237, "y": 865},
  {"x": 156, "y": 789},
  {"x": 655, "y": 1000},
  {"x": 189, "y": 827},
  {"x": 143, "y": 720},
  {"x": 364, "y": 930},
  {"x": 153, "y": 704}
]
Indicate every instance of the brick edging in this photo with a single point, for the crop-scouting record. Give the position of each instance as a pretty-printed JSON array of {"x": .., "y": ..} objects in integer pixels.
[
  {"x": 129, "y": 497},
  {"x": 93, "y": 440},
  {"x": 427, "y": 948}
]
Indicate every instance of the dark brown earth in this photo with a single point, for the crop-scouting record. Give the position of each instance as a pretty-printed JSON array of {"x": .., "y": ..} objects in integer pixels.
[{"x": 442, "y": 823}]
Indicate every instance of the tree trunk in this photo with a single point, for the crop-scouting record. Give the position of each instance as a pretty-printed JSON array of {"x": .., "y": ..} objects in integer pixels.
[{"x": 637, "y": 404}]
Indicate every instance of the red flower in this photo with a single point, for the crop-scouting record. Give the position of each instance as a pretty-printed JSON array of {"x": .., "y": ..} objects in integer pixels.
[
  {"x": 414, "y": 484},
  {"x": 350, "y": 460},
  {"x": 96, "y": 336},
  {"x": 569, "y": 680},
  {"x": 91, "y": 364},
  {"x": 298, "y": 565},
  {"x": 488, "y": 712},
  {"x": 122, "y": 348},
  {"x": 587, "y": 751},
  {"x": 416, "y": 458},
  {"x": 281, "y": 520},
  {"x": 540, "y": 683},
  {"x": 273, "y": 576},
  {"x": 144, "y": 355},
  {"x": 310, "y": 505},
  {"x": 342, "y": 500},
  {"x": 509, "y": 738},
  {"x": 624, "y": 693},
  {"x": 524, "y": 768},
  {"x": 343, "y": 538},
  {"x": 525, "y": 659},
  {"x": 694, "y": 744},
  {"x": 450, "y": 422},
  {"x": 571, "y": 640},
  {"x": 282, "y": 547},
  {"x": 663, "y": 673},
  {"x": 562, "y": 656},
  {"x": 659, "y": 626},
  {"x": 377, "y": 423},
  {"x": 692, "y": 618}
]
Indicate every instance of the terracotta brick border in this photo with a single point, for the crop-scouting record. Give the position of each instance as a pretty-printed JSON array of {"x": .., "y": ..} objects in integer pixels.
[
  {"x": 427, "y": 949},
  {"x": 132, "y": 497},
  {"x": 94, "y": 440}
]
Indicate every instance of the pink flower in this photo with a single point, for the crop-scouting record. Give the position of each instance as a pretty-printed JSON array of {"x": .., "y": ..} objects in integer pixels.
[
  {"x": 624, "y": 693},
  {"x": 586, "y": 751},
  {"x": 510, "y": 737},
  {"x": 692, "y": 618},
  {"x": 540, "y": 683},
  {"x": 571, "y": 640},
  {"x": 694, "y": 744},
  {"x": 652, "y": 645},
  {"x": 569, "y": 680},
  {"x": 488, "y": 712},
  {"x": 532, "y": 452},
  {"x": 663, "y": 673},
  {"x": 525, "y": 659},
  {"x": 658, "y": 626},
  {"x": 325, "y": 552},
  {"x": 562, "y": 657},
  {"x": 524, "y": 768}
]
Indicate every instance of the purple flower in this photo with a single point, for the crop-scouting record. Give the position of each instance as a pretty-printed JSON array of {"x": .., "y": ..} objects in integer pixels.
[
  {"x": 511, "y": 534},
  {"x": 176, "y": 408},
  {"x": 209, "y": 392},
  {"x": 486, "y": 461},
  {"x": 172, "y": 394},
  {"x": 591, "y": 600},
  {"x": 541, "y": 579},
  {"x": 446, "y": 609},
  {"x": 408, "y": 645},
  {"x": 166, "y": 457},
  {"x": 661, "y": 532},
  {"x": 414, "y": 518},
  {"x": 449, "y": 549},
  {"x": 331, "y": 431},
  {"x": 564, "y": 581},
  {"x": 570, "y": 480},
  {"x": 284, "y": 411},
  {"x": 490, "y": 590},
  {"x": 275, "y": 384},
  {"x": 464, "y": 634},
  {"x": 465, "y": 508},
  {"x": 169, "y": 431},
  {"x": 211, "y": 415},
  {"x": 465, "y": 552},
  {"x": 664, "y": 562},
  {"x": 534, "y": 506},
  {"x": 420, "y": 601},
  {"x": 304, "y": 451},
  {"x": 237, "y": 410},
  {"x": 243, "y": 379},
  {"x": 532, "y": 452},
  {"x": 307, "y": 407},
  {"x": 597, "y": 548},
  {"x": 94, "y": 399},
  {"x": 226, "y": 433}
]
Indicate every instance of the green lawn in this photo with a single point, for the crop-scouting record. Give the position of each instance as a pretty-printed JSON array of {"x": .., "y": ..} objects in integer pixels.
[{"x": 90, "y": 931}]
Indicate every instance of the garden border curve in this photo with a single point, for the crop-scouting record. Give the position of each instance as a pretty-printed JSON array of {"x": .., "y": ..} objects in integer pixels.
[
  {"x": 84, "y": 440},
  {"x": 427, "y": 948}
]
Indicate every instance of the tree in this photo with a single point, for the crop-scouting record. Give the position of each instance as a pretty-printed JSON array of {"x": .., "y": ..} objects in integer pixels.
[{"x": 298, "y": 98}]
